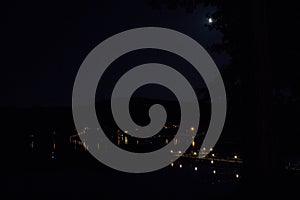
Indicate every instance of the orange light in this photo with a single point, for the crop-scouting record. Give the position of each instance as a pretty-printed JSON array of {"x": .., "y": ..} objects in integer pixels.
[{"x": 175, "y": 141}]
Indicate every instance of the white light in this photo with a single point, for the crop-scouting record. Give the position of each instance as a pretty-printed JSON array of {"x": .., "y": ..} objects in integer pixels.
[
  {"x": 125, "y": 131},
  {"x": 180, "y": 165},
  {"x": 210, "y": 20},
  {"x": 235, "y": 157},
  {"x": 213, "y": 155},
  {"x": 179, "y": 152},
  {"x": 237, "y": 175},
  {"x": 195, "y": 153},
  {"x": 196, "y": 168},
  {"x": 212, "y": 162},
  {"x": 171, "y": 151},
  {"x": 192, "y": 128},
  {"x": 214, "y": 172},
  {"x": 211, "y": 149},
  {"x": 172, "y": 164}
]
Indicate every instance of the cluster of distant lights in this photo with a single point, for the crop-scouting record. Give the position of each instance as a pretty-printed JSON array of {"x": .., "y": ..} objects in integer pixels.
[
  {"x": 195, "y": 153},
  {"x": 85, "y": 130},
  {"x": 214, "y": 171},
  {"x": 192, "y": 128},
  {"x": 203, "y": 150},
  {"x": 171, "y": 151},
  {"x": 237, "y": 175},
  {"x": 73, "y": 138}
]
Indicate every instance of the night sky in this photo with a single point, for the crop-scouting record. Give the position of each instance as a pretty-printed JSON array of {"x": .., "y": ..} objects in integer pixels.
[{"x": 46, "y": 42}]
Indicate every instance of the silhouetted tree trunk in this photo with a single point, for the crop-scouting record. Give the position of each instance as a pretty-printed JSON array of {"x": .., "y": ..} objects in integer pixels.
[{"x": 261, "y": 159}]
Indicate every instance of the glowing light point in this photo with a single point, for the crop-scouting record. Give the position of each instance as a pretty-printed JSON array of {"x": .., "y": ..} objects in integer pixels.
[
  {"x": 214, "y": 172},
  {"x": 196, "y": 168},
  {"x": 210, "y": 20},
  {"x": 167, "y": 141},
  {"x": 180, "y": 166}
]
